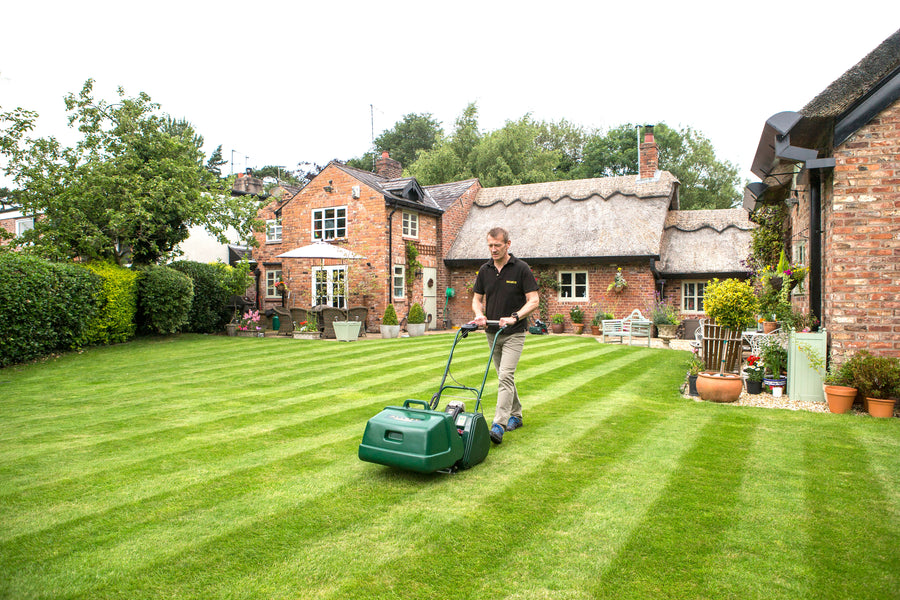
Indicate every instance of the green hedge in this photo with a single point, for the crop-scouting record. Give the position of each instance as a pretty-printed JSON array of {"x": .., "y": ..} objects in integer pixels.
[
  {"x": 44, "y": 307},
  {"x": 164, "y": 300},
  {"x": 115, "y": 321},
  {"x": 214, "y": 284}
]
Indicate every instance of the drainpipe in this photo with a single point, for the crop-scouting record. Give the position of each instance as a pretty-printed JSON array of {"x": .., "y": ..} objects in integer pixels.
[
  {"x": 390, "y": 280},
  {"x": 815, "y": 243}
]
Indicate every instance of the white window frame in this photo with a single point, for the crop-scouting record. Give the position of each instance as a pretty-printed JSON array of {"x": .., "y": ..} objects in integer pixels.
[
  {"x": 328, "y": 286},
  {"x": 693, "y": 296},
  {"x": 569, "y": 292},
  {"x": 273, "y": 230},
  {"x": 410, "y": 224},
  {"x": 336, "y": 231},
  {"x": 272, "y": 276},
  {"x": 23, "y": 225},
  {"x": 398, "y": 281}
]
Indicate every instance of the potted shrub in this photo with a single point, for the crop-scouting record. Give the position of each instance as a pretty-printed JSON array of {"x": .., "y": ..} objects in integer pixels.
[
  {"x": 556, "y": 323},
  {"x": 732, "y": 304},
  {"x": 390, "y": 326},
  {"x": 694, "y": 368},
  {"x": 839, "y": 390},
  {"x": 415, "y": 322},
  {"x": 577, "y": 316},
  {"x": 878, "y": 380},
  {"x": 755, "y": 374},
  {"x": 598, "y": 319}
]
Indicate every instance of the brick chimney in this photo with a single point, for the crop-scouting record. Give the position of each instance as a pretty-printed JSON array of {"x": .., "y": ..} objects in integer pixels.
[
  {"x": 388, "y": 167},
  {"x": 649, "y": 155}
]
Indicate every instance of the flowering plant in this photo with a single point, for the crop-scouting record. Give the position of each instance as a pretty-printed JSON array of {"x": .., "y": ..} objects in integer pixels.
[
  {"x": 250, "y": 320},
  {"x": 663, "y": 313},
  {"x": 310, "y": 325},
  {"x": 618, "y": 284},
  {"x": 755, "y": 369}
]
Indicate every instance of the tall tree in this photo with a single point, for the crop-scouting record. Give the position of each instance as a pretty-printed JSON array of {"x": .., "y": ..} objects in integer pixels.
[
  {"x": 215, "y": 162},
  {"x": 408, "y": 136},
  {"x": 130, "y": 188},
  {"x": 512, "y": 155},
  {"x": 706, "y": 181}
]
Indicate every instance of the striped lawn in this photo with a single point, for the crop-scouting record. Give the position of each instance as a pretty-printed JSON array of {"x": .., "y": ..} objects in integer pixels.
[{"x": 214, "y": 467}]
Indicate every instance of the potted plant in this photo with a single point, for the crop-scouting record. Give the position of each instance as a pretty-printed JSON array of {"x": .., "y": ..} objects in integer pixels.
[
  {"x": 556, "y": 323},
  {"x": 732, "y": 304},
  {"x": 694, "y": 368},
  {"x": 665, "y": 317},
  {"x": 577, "y": 316},
  {"x": 878, "y": 381},
  {"x": 415, "y": 322},
  {"x": 755, "y": 374},
  {"x": 597, "y": 321},
  {"x": 774, "y": 357},
  {"x": 618, "y": 283},
  {"x": 390, "y": 326},
  {"x": 307, "y": 330},
  {"x": 839, "y": 390},
  {"x": 249, "y": 326}
]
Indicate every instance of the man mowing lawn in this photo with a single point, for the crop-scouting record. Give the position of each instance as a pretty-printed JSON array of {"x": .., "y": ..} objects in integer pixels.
[{"x": 506, "y": 291}]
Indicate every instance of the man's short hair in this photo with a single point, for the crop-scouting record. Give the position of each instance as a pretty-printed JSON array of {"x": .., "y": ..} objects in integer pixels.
[{"x": 498, "y": 233}]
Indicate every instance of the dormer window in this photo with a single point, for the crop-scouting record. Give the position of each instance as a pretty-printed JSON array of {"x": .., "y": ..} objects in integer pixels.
[{"x": 410, "y": 224}]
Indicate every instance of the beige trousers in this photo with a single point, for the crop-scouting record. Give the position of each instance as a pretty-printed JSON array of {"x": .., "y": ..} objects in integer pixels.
[{"x": 506, "y": 358}]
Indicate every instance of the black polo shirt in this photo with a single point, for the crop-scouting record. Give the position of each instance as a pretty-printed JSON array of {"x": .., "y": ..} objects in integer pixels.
[{"x": 504, "y": 292}]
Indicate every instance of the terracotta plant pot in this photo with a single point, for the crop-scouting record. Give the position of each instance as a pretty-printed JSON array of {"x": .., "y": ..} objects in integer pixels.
[
  {"x": 769, "y": 326},
  {"x": 579, "y": 328},
  {"x": 883, "y": 408},
  {"x": 715, "y": 387},
  {"x": 840, "y": 398},
  {"x": 557, "y": 327},
  {"x": 595, "y": 330}
]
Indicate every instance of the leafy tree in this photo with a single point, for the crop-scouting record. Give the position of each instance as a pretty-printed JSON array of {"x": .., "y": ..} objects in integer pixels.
[
  {"x": 706, "y": 181},
  {"x": 449, "y": 159},
  {"x": 569, "y": 140},
  {"x": 512, "y": 155},
  {"x": 215, "y": 162},
  {"x": 130, "y": 188},
  {"x": 413, "y": 133}
]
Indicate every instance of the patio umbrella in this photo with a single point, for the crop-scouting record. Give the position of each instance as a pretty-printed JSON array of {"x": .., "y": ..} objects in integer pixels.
[{"x": 322, "y": 249}]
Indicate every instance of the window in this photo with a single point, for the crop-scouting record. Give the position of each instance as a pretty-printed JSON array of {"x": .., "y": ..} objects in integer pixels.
[
  {"x": 328, "y": 286},
  {"x": 410, "y": 224},
  {"x": 329, "y": 223},
  {"x": 273, "y": 230},
  {"x": 273, "y": 276},
  {"x": 692, "y": 296},
  {"x": 23, "y": 225},
  {"x": 573, "y": 285},
  {"x": 399, "y": 279}
]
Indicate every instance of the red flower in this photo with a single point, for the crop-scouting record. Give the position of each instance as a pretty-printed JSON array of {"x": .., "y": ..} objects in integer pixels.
[{"x": 751, "y": 360}]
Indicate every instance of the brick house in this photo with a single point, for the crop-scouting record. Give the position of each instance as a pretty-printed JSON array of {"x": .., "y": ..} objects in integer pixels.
[
  {"x": 375, "y": 215},
  {"x": 579, "y": 233},
  {"x": 836, "y": 162}
]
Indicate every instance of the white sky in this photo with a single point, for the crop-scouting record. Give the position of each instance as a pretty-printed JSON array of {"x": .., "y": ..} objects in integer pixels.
[{"x": 285, "y": 82}]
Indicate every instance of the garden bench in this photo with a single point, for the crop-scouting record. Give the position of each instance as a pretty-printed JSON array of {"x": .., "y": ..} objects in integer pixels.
[{"x": 632, "y": 326}]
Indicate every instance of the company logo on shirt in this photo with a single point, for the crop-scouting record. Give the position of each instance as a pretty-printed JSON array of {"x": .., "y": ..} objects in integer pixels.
[{"x": 512, "y": 282}]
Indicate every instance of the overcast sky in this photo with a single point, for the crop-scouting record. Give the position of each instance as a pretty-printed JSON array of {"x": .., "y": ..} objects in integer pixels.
[{"x": 285, "y": 82}]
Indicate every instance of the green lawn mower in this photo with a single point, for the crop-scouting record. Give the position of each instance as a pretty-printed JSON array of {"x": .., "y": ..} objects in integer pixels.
[{"x": 418, "y": 437}]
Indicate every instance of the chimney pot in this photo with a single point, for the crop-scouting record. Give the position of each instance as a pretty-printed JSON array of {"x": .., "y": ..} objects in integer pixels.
[
  {"x": 388, "y": 167},
  {"x": 385, "y": 154},
  {"x": 649, "y": 156}
]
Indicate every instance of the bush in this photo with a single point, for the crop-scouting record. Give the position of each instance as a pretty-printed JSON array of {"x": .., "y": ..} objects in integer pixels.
[
  {"x": 731, "y": 303},
  {"x": 164, "y": 300},
  {"x": 114, "y": 322},
  {"x": 44, "y": 307},
  {"x": 875, "y": 376},
  {"x": 557, "y": 318},
  {"x": 214, "y": 284},
  {"x": 390, "y": 316},
  {"x": 416, "y": 315}
]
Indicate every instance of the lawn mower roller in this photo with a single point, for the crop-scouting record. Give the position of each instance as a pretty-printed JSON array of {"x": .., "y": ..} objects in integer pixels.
[{"x": 418, "y": 437}]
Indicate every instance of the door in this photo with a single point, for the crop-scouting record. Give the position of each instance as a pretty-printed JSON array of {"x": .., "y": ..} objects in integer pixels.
[{"x": 429, "y": 286}]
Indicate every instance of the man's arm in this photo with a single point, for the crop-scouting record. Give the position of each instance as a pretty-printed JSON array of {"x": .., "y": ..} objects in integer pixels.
[
  {"x": 478, "y": 309},
  {"x": 532, "y": 299}
]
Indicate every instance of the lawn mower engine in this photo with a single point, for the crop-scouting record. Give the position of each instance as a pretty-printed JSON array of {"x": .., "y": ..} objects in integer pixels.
[{"x": 425, "y": 440}]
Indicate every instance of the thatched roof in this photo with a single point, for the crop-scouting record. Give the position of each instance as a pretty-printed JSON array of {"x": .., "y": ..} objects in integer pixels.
[
  {"x": 690, "y": 234},
  {"x": 857, "y": 81},
  {"x": 605, "y": 218}
]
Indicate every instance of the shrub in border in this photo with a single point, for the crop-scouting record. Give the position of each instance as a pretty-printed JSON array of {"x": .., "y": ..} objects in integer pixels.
[
  {"x": 214, "y": 284},
  {"x": 164, "y": 299},
  {"x": 115, "y": 321}
]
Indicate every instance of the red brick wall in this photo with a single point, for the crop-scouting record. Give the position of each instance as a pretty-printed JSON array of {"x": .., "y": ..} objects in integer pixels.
[{"x": 861, "y": 246}]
